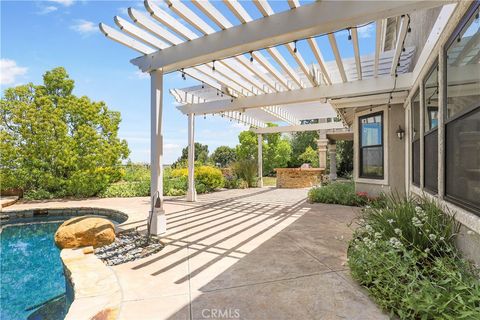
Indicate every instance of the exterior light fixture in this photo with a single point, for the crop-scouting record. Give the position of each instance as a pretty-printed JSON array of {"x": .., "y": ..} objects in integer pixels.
[{"x": 400, "y": 133}]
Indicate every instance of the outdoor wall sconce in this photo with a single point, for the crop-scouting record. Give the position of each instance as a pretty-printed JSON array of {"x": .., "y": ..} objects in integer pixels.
[{"x": 400, "y": 133}]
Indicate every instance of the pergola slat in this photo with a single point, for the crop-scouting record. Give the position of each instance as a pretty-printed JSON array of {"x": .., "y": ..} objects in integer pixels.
[
  {"x": 121, "y": 38},
  {"x": 277, "y": 56},
  {"x": 138, "y": 33},
  {"x": 147, "y": 24},
  {"x": 183, "y": 11},
  {"x": 378, "y": 44},
  {"x": 338, "y": 57},
  {"x": 210, "y": 11},
  {"x": 277, "y": 75},
  {"x": 238, "y": 10},
  {"x": 399, "y": 44},
  {"x": 264, "y": 77},
  {"x": 356, "y": 50},
  {"x": 166, "y": 19},
  {"x": 299, "y": 59},
  {"x": 321, "y": 62},
  {"x": 263, "y": 7}
]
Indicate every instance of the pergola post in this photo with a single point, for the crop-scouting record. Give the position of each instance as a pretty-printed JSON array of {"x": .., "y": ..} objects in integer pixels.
[
  {"x": 322, "y": 143},
  {"x": 158, "y": 222},
  {"x": 191, "y": 192},
  {"x": 260, "y": 161},
  {"x": 332, "y": 150}
]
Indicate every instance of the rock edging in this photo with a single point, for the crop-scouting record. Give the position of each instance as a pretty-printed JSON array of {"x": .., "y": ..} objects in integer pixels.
[{"x": 96, "y": 292}]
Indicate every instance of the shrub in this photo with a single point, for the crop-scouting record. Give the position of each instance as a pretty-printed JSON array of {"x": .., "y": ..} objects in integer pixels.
[
  {"x": 127, "y": 189},
  {"x": 337, "y": 193},
  {"x": 207, "y": 178},
  {"x": 404, "y": 254},
  {"x": 247, "y": 170}
]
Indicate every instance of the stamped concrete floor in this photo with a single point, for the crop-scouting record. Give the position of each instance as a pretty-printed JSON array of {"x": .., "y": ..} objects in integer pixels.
[{"x": 243, "y": 254}]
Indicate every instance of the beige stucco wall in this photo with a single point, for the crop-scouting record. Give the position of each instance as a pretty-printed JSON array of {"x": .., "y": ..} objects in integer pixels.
[{"x": 394, "y": 153}]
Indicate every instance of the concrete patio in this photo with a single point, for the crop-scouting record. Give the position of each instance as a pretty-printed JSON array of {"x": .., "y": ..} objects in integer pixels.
[{"x": 241, "y": 254}]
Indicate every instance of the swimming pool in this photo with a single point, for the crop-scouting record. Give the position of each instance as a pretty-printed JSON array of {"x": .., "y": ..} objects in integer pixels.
[{"x": 32, "y": 282}]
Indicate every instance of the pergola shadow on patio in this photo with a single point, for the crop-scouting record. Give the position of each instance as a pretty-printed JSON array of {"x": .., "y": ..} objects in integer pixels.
[{"x": 248, "y": 254}]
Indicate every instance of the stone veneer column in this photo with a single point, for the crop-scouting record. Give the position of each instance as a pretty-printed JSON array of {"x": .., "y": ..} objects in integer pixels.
[{"x": 332, "y": 150}]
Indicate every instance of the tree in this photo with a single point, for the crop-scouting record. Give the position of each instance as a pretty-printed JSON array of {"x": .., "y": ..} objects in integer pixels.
[
  {"x": 276, "y": 149},
  {"x": 300, "y": 142},
  {"x": 344, "y": 158},
  {"x": 248, "y": 147},
  {"x": 201, "y": 155},
  {"x": 309, "y": 156},
  {"x": 223, "y": 156},
  {"x": 54, "y": 141}
]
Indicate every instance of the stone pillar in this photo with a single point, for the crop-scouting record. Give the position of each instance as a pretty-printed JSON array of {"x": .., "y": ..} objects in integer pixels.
[
  {"x": 191, "y": 192},
  {"x": 260, "y": 161},
  {"x": 332, "y": 150},
  {"x": 322, "y": 143},
  {"x": 157, "y": 220}
]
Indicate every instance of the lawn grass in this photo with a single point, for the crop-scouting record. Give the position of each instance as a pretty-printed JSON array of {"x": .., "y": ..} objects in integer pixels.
[{"x": 269, "y": 181}]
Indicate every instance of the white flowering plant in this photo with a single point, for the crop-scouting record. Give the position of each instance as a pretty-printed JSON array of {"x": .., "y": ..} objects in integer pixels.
[{"x": 403, "y": 252}]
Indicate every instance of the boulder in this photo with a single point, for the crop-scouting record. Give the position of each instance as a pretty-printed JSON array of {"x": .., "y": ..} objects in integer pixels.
[{"x": 85, "y": 231}]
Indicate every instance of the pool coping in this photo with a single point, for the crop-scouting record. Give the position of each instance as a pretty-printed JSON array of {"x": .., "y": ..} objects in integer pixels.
[
  {"x": 11, "y": 216},
  {"x": 96, "y": 291}
]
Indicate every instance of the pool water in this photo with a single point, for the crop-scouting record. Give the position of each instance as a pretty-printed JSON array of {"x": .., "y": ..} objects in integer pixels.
[{"x": 32, "y": 283}]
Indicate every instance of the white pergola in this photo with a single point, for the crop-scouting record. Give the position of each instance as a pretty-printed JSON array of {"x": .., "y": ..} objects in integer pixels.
[{"x": 254, "y": 71}]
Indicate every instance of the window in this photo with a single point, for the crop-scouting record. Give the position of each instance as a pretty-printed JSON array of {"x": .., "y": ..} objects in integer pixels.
[
  {"x": 430, "y": 163},
  {"x": 416, "y": 139},
  {"x": 371, "y": 146},
  {"x": 462, "y": 125}
]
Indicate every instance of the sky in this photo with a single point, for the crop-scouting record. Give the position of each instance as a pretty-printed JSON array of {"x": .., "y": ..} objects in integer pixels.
[{"x": 37, "y": 36}]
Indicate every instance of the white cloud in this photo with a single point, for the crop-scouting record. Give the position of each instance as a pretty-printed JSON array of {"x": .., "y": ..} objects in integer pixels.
[
  {"x": 366, "y": 31},
  {"x": 9, "y": 71},
  {"x": 47, "y": 10},
  {"x": 141, "y": 75},
  {"x": 66, "y": 3},
  {"x": 84, "y": 27}
]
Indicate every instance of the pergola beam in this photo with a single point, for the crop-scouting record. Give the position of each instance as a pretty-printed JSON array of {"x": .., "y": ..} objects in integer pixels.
[
  {"x": 340, "y": 90},
  {"x": 303, "y": 22},
  {"x": 301, "y": 128},
  {"x": 378, "y": 44}
]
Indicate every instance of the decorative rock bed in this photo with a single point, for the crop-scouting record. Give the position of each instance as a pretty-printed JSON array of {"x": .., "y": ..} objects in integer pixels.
[{"x": 128, "y": 246}]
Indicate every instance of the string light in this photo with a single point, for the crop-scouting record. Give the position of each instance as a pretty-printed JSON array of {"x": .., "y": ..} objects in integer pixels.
[
  {"x": 213, "y": 65},
  {"x": 203, "y": 85},
  {"x": 349, "y": 34},
  {"x": 183, "y": 75},
  {"x": 251, "y": 56},
  {"x": 295, "y": 48}
]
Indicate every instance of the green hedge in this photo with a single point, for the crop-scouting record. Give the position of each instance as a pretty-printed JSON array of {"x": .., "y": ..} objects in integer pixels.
[
  {"x": 337, "y": 193},
  {"x": 403, "y": 253}
]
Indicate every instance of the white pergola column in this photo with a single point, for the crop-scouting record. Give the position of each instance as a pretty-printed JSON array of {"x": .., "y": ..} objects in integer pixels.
[
  {"x": 332, "y": 150},
  {"x": 191, "y": 192},
  {"x": 158, "y": 222},
  {"x": 260, "y": 161}
]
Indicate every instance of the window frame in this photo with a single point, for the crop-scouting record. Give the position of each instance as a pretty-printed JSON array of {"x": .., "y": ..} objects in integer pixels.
[
  {"x": 423, "y": 105},
  {"x": 446, "y": 120},
  {"x": 415, "y": 138},
  {"x": 360, "y": 148}
]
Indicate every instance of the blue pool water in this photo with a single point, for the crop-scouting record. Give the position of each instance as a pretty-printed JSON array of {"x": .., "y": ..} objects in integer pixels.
[{"x": 32, "y": 283}]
